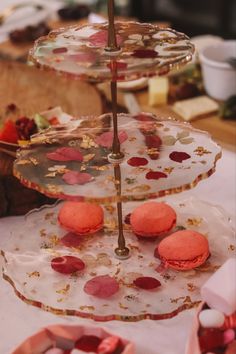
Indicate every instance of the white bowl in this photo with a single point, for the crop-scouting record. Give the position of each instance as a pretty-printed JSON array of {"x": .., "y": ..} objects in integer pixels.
[{"x": 219, "y": 76}]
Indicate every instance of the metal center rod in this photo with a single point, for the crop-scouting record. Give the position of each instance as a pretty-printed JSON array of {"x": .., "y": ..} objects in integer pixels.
[
  {"x": 112, "y": 43},
  {"x": 122, "y": 252}
]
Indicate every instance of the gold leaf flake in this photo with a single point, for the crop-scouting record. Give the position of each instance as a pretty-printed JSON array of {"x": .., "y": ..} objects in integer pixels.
[
  {"x": 64, "y": 291},
  {"x": 48, "y": 216},
  {"x": 200, "y": 151},
  {"x": 152, "y": 151},
  {"x": 52, "y": 188},
  {"x": 130, "y": 180},
  {"x": 123, "y": 306},
  {"x": 191, "y": 287},
  {"x": 194, "y": 221},
  {"x": 100, "y": 168},
  {"x": 35, "y": 274},
  {"x": 87, "y": 142},
  {"x": 110, "y": 223},
  {"x": 89, "y": 308},
  {"x": 231, "y": 248},
  {"x": 88, "y": 157},
  {"x": 34, "y": 161},
  {"x": 168, "y": 170},
  {"x": 54, "y": 240},
  {"x": 23, "y": 162},
  {"x": 110, "y": 208},
  {"x": 132, "y": 138},
  {"x": 51, "y": 174},
  {"x": 43, "y": 233},
  {"x": 140, "y": 188}
]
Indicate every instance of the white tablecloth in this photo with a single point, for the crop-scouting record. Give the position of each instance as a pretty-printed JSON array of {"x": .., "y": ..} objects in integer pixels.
[{"x": 19, "y": 320}]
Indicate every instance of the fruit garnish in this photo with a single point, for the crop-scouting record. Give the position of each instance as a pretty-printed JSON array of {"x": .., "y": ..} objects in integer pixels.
[
  {"x": 41, "y": 122},
  {"x": 25, "y": 128},
  {"x": 9, "y": 132}
]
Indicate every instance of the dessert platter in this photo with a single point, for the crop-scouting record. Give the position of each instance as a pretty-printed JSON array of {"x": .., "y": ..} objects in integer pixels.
[{"x": 65, "y": 258}]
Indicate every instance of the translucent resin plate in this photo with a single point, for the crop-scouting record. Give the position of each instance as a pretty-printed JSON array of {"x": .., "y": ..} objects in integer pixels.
[
  {"x": 145, "y": 50},
  {"x": 161, "y": 157},
  {"x": 29, "y": 246}
]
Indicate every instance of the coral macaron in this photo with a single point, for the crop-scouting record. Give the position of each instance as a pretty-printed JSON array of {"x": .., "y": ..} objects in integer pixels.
[
  {"x": 81, "y": 218},
  {"x": 183, "y": 250},
  {"x": 152, "y": 219}
]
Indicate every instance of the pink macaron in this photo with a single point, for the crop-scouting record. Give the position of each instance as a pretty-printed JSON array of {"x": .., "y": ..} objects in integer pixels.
[
  {"x": 81, "y": 218},
  {"x": 152, "y": 219},
  {"x": 183, "y": 250}
]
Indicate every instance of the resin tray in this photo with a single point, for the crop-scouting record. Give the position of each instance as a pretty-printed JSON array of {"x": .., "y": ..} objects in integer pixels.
[
  {"x": 145, "y": 50},
  {"x": 29, "y": 246},
  {"x": 161, "y": 157}
]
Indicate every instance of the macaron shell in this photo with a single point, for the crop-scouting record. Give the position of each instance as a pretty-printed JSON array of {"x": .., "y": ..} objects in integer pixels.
[
  {"x": 185, "y": 249},
  {"x": 81, "y": 218},
  {"x": 152, "y": 219}
]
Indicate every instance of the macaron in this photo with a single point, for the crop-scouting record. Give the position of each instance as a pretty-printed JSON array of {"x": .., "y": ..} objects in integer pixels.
[
  {"x": 152, "y": 219},
  {"x": 81, "y": 218},
  {"x": 183, "y": 250}
]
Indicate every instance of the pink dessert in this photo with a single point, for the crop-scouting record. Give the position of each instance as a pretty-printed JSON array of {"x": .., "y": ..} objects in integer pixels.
[{"x": 152, "y": 219}]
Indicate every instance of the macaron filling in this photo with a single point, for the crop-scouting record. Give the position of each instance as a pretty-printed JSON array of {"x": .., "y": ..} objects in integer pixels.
[
  {"x": 156, "y": 233},
  {"x": 186, "y": 264}
]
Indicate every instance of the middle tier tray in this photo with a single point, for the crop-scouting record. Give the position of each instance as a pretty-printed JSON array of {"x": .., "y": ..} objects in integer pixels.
[{"x": 161, "y": 157}]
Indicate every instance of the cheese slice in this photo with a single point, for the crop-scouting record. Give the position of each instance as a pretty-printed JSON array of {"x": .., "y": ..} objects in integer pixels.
[
  {"x": 194, "y": 107},
  {"x": 158, "y": 88}
]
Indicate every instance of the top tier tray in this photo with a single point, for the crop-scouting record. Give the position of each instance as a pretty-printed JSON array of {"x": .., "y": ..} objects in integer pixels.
[{"x": 144, "y": 50}]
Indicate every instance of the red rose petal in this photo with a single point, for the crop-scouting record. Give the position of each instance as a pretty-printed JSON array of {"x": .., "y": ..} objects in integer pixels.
[
  {"x": 147, "y": 283},
  {"x": 88, "y": 343},
  {"x": 106, "y": 139},
  {"x": 65, "y": 154},
  {"x": 110, "y": 345},
  {"x": 179, "y": 156},
  {"x": 145, "y": 53},
  {"x": 155, "y": 175},
  {"x": 153, "y": 142},
  {"x": 71, "y": 240},
  {"x": 137, "y": 161},
  {"x": 100, "y": 39},
  {"x": 74, "y": 177},
  {"x": 127, "y": 219},
  {"x": 60, "y": 50},
  {"x": 67, "y": 264},
  {"x": 102, "y": 286}
]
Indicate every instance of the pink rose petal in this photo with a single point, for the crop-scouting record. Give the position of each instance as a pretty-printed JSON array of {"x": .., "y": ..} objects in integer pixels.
[
  {"x": 179, "y": 156},
  {"x": 71, "y": 240},
  {"x": 102, "y": 286},
  {"x": 65, "y": 154},
  {"x": 83, "y": 57},
  {"x": 74, "y": 177},
  {"x": 100, "y": 39},
  {"x": 106, "y": 139},
  {"x": 110, "y": 345}
]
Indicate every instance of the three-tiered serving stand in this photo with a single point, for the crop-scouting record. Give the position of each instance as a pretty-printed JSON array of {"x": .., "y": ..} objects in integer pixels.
[{"x": 125, "y": 159}]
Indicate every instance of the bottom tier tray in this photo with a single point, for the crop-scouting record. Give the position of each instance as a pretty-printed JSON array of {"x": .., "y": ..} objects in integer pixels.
[{"x": 30, "y": 244}]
